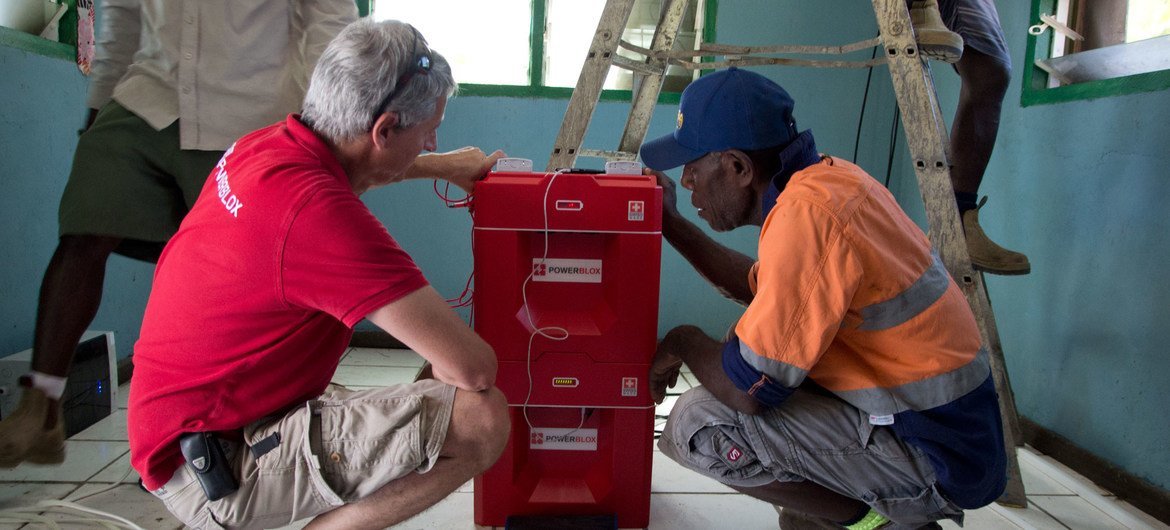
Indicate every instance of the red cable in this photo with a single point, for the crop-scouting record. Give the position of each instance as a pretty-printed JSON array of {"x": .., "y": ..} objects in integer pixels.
[{"x": 465, "y": 298}]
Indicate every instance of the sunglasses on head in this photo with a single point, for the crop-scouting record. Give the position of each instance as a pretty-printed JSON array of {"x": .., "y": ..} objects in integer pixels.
[{"x": 419, "y": 64}]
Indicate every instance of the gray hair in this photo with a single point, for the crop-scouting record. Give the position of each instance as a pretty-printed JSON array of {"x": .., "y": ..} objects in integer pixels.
[{"x": 363, "y": 66}]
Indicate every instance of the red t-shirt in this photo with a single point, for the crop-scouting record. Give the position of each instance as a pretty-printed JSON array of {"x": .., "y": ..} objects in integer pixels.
[{"x": 255, "y": 297}]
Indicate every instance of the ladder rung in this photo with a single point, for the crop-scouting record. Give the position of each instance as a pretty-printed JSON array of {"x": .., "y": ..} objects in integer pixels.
[
  {"x": 726, "y": 49},
  {"x": 713, "y": 50},
  {"x": 608, "y": 155},
  {"x": 755, "y": 61},
  {"x": 637, "y": 66}
]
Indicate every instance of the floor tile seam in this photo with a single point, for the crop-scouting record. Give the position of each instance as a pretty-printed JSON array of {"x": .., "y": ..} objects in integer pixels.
[
  {"x": 107, "y": 466},
  {"x": 1015, "y": 518},
  {"x": 1123, "y": 514}
]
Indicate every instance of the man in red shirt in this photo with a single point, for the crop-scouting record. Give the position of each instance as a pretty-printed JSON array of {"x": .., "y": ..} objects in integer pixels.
[{"x": 254, "y": 301}]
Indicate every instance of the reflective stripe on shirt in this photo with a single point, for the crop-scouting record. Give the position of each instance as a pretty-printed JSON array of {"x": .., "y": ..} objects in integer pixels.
[{"x": 909, "y": 303}]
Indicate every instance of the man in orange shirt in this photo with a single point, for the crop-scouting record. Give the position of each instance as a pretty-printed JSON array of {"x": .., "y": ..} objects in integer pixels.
[{"x": 854, "y": 389}]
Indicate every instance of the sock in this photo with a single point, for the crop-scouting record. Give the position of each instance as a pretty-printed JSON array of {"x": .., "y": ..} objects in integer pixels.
[
  {"x": 862, "y": 514},
  {"x": 870, "y": 521},
  {"x": 967, "y": 201},
  {"x": 51, "y": 385}
]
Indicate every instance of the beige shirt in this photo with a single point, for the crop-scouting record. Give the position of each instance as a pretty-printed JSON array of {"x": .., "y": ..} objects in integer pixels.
[{"x": 223, "y": 68}]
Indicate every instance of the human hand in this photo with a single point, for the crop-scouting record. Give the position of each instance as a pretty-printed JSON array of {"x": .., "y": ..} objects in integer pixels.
[
  {"x": 664, "y": 370},
  {"x": 669, "y": 192},
  {"x": 465, "y": 166}
]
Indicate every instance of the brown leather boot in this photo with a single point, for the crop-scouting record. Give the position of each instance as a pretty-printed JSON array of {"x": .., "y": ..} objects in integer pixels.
[
  {"x": 935, "y": 41},
  {"x": 24, "y": 436},
  {"x": 985, "y": 254}
]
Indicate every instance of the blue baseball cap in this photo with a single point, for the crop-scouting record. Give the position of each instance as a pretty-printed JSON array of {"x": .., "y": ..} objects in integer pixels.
[{"x": 729, "y": 109}]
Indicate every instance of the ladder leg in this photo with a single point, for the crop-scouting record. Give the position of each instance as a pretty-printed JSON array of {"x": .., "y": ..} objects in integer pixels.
[
  {"x": 926, "y": 136},
  {"x": 646, "y": 93},
  {"x": 589, "y": 84}
]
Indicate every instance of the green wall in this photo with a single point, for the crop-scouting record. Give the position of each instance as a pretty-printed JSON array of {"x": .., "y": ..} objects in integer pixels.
[
  {"x": 1078, "y": 186},
  {"x": 41, "y": 108},
  {"x": 1082, "y": 187}
]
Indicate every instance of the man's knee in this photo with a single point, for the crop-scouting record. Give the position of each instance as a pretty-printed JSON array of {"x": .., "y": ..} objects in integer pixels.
[
  {"x": 497, "y": 425},
  {"x": 684, "y": 338},
  {"x": 694, "y": 409},
  {"x": 704, "y": 435},
  {"x": 480, "y": 423},
  {"x": 86, "y": 247},
  {"x": 984, "y": 77}
]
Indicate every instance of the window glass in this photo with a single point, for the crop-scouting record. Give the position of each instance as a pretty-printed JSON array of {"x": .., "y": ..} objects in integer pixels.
[
  {"x": 485, "y": 42},
  {"x": 569, "y": 28},
  {"x": 1147, "y": 19},
  {"x": 1082, "y": 49},
  {"x": 490, "y": 43}
]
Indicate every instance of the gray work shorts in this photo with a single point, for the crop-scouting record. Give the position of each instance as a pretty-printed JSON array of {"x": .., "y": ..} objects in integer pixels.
[
  {"x": 977, "y": 21},
  {"x": 336, "y": 449},
  {"x": 813, "y": 437},
  {"x": 132, "y": 182}
]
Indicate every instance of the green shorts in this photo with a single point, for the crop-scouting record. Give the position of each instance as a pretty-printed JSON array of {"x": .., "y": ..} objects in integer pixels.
[
  {"x": 336, "y": 449},
  {"x": 132, "y": 182}
]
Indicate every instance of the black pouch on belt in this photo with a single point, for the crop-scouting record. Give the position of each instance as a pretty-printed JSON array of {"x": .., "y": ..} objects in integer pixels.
[{"x": 205, "y": 455}]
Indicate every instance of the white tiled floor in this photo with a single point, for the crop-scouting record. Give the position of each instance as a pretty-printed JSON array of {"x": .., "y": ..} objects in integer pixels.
[{"x": 680, "y": 499}]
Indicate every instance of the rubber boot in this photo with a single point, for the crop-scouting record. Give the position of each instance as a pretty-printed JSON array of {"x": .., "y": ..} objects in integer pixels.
[
  {"x": 985, "y": 254},
  {"x": 935, "y": 41},
  {"x": 24, "y": 437}
]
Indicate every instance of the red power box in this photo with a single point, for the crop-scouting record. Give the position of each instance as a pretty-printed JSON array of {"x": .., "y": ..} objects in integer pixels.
[{"x": 566, "y": 291}]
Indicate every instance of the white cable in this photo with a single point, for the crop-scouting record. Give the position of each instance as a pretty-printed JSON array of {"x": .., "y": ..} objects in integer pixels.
[
  {"x": 126, "y": 523},
  {"x": 564, "y": 333},
  {"x": 105, "y": 489},
  {"x": 32, "y": 514}
]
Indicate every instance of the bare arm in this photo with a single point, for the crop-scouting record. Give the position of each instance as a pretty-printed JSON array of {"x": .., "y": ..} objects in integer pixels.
[
  {"x": 461, "y": 167},
  {"x": 726, "y": 268},
  {"x": 424, "y": 323},
  {"x": 704, "y": 355}
]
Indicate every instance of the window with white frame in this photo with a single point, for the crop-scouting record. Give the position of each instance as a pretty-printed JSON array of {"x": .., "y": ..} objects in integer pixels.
[
  {"x": 1085, "y": 41},
  {"x": 535, "y": 47}
]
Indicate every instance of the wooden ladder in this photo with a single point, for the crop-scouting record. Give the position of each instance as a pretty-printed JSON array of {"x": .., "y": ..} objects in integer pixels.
[{"x": 926, "y": 137}]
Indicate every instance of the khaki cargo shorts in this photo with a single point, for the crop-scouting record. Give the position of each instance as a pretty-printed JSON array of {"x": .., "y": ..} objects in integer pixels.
[
  {"x": 811, "y": 436},
  {"x": 336, "y": 449},
  {"x": 132, "y": 182}
]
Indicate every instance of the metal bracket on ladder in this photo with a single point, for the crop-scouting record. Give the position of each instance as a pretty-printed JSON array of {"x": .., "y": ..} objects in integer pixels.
[{"x": 926, "y": 136}]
